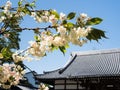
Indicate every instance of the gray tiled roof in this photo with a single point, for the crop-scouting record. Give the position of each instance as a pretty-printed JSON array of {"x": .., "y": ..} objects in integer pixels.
[
  {"x": 89, "y": 63},
  {"x": 49, "y": 75}
]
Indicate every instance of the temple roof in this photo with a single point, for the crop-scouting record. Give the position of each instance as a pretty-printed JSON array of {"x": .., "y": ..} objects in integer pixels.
[{"x": 95, "y": 63}]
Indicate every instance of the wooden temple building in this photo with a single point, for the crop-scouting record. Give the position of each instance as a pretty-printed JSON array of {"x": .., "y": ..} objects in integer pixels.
[{"x": 88, "y": 70}]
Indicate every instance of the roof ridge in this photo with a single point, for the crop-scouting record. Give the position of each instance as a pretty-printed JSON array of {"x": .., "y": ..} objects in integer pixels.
[
  {"x": 46, "y": 72},
  {"x": 94, "y": 52},
  {"x": 62, "y": 70}
]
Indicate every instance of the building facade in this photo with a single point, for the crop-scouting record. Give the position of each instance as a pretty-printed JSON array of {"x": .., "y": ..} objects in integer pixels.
[{"x": 89, "y": 70}]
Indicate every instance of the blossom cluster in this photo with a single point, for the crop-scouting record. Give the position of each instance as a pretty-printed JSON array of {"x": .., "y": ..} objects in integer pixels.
[
  {"x": 47, "y": 40},
  {"x": 6, "y": 17},
  {"x": 65, "y": 32},
  {"x": 7, "y": 7},
  {"x": 6, "y": 11},
  {"x": 75, "y": 36},
  {"x": 10, "y": 74}
]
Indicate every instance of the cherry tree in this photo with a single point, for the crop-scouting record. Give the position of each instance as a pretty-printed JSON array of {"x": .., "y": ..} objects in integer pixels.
[{"x": 61, "y": 30}]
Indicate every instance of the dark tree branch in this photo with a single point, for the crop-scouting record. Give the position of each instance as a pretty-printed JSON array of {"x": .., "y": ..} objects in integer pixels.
[{"x": 38, "y": 28}]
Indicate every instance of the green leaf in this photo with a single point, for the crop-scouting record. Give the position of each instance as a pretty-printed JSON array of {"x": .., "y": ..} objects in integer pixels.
[
  {"x": 1, "y": 56},
  {"x": 71, "y": 15},
  {"x": 26, "y": 10},
  {"x": 19, "y": 3},
  {"x": 54, "y": 47},
  {"x": 13, "y": 40},
  {"x": 69, "y": 25},
  {"x": 12, "y": 78},
  {"x": 64, "y": 22},
  {"x": 54, "y": 13},
  {"x": 37, "y": 39},
  {"x": 32, "y": 4},
  {"x": 94, "y": 21},
  {"x": 1, "y": 69},
  {"x": 62, "y": 49},
  {"x": 96, "y": 34},
  {"x": 67, "y": 46},
  {"x": 7, "y": 54}
]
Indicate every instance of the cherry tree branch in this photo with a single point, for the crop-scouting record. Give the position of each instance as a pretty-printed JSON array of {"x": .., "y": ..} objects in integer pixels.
[
  {"x": 15, "y": 9},
  {"x": 38, "y": 28}
]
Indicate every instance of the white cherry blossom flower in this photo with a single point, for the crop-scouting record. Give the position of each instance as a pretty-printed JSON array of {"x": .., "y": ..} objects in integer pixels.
[
  {"x": 57, "y": 41},
  {"x": 38, "y": 19},
  {"x": 2, "y": 18},
  {"x": 83, "y": 16},
  {"x": 61, "y": 30},
  {"x": 53, "y": 19},
  {"x": 7, "y": 7},
  {"x": 43, "y": 87},
  {"x": 62, "y": 16},
  {"x": 33, "y": 14}
]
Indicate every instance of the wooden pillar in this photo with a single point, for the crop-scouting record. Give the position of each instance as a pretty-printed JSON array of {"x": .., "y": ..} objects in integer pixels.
[
  {"x": 65, "y": 84},
  {"x": 54, "y": 85},
  {"x": 77, "y": 84},
  {"x": 86, "y": 84}
]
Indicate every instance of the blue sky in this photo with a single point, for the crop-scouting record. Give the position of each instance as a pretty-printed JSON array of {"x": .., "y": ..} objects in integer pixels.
[{"x": 108, "y": 10}]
